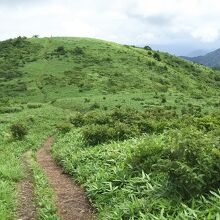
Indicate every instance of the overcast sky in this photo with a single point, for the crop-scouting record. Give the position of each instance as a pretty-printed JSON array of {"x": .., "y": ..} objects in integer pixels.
[{"x": 183, "y": 24}]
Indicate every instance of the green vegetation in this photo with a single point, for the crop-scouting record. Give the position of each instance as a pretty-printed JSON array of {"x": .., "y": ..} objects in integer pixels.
[
  {"x": 44, "y": 195},
  {"x": 38, "y": 124},
  {"x": 138, "y": 129},
  {"x": 18, "y": 131},
  {"x": 170, "y": 174},
  {"x": 120, "y": 124}
]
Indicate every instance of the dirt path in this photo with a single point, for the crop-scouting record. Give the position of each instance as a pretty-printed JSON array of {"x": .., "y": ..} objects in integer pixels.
[
  {"x": 26, "y": 209},
  {"x": 70, "y": 199}
]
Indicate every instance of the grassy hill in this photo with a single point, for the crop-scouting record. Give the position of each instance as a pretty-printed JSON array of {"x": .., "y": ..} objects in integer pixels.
[
  {"x": 48, "y": 68},
  {"x": 138, "y": 129}
]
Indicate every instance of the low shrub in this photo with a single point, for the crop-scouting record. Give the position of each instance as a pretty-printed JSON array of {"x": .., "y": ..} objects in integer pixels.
[
  {"x": 60, "y": 50},
  {"x": 34, "y": 105},
  {"x": 145, "y": 126},
  {"x": 18, "y": 131},
  {"x": 87, "y": 100},
  {"x": 123, "y": 131},
  {"x": 193, "y": 166},
  {"x": 147, "y": 47},
  {"x": 10, "y": 109},
  {"x": 125, "y": 122},
  {"x": 64, "y": 128},
  {"x": 77, "y": 119},
  {"x": 147, "y": 155},
  {"x": 188, "y": 158},
  {"x": 156, "y": 56},
  {"x": 207, "y": 123},
  {"x": 99, "y": 118},
  {"x": 97, "y": 134},
  {"x": 78, "y": 51}
]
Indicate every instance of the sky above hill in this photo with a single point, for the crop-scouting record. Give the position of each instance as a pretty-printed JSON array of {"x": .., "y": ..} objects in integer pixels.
[{"x": 177, "y": 26}]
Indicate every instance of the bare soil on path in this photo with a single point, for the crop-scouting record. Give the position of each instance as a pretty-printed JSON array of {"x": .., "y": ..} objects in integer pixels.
[{"x": 70, "y": 199}]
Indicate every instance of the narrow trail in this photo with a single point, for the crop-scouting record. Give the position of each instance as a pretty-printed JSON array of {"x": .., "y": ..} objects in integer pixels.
[
  {"x": 70, "y": 200},
  {"x": 26, "y": 209}
]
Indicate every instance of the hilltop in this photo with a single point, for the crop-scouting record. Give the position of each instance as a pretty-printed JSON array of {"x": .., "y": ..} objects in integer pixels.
[{"x": 41, "y": 70}]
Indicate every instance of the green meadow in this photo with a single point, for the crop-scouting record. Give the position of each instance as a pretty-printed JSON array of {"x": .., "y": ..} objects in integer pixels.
[{"x": 138, "y": 129}]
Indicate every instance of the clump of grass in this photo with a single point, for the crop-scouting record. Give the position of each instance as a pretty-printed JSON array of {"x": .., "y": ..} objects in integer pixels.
[
  {"x": 34, "y": 105},
  {"x": 44, "y": 194}
]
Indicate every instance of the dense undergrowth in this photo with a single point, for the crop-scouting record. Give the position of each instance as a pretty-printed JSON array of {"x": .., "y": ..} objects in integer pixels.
[{"x": 171, "y": 174}]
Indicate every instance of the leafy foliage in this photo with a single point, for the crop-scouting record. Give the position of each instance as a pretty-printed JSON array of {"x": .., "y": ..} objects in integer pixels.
[
  {"x": 64, "y": 128},
  {"x": 118, "y": 124},
  {"x": 18, "y": 131},
  {"x": 188, "y": 157}
]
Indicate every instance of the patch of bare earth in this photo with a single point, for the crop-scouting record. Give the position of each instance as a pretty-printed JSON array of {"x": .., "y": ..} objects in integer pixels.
[
  {"x": 26, "y": 209},
  {"x": 70, "y": 199}
]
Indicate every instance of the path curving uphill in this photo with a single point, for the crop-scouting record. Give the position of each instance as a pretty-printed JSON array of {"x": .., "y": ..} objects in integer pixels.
[{"x": 70, "y": 199}]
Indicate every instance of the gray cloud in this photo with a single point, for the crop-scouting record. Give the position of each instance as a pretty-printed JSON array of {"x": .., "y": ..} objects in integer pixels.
[
  {"x": 158, "y": 20},
  {"x": 170, "y": 22}
]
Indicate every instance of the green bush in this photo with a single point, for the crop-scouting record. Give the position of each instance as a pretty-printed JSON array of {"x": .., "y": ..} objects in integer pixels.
[
  {"x": 163, "y": 100},
  {"x": 18, "y": 131},
  {"x": 60, "y": 50},
  {"x": 123, "y": 122},
  {"x": 147, "y": 47},
  {"x": 99, "y": 118},
  {"x": 97, "y": 134},
  {"x": 192, "y": 167},
  {"x": 126, "y": 115},
  {"x": 147, "y": 155},
  {"x": 77, "y": 119},
  {"x": 188, "y": 158},
  {"x": 156, "y": 56},
  {"x": 207, "y": 123},
  {"x": 10, "y": 109},
  {"x": 124, "y": 131},
  {"x": 64, "y": 128},
  {"x": 146, "y": 126},
  {"x": 78, "y": 51},
  {"x": 34, "y": 105}
]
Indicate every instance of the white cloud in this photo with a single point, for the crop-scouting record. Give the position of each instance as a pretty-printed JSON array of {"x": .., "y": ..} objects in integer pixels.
[{"x": 206, "y": 34}]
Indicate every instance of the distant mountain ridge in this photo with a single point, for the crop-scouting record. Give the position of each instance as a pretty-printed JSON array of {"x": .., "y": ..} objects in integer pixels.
[
  {"x": 199, "y": 52},
  {"x": 211, "y": 59}
]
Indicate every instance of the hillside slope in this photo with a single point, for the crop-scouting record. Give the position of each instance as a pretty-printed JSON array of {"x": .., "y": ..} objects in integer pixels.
[{"x": 44, "y": 69}]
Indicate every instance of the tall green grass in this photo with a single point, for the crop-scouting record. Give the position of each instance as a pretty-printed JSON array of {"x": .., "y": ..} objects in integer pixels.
[{"x": 173, "y": 174}]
